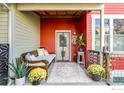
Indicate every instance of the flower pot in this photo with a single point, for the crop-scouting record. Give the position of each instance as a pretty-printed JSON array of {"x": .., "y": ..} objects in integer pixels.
[
  {"x": 81, "y": 49},
  {"x": 95, "y": 77},
  {"x": 20, "y": 81},
  {"x": 36, "y": 83}
]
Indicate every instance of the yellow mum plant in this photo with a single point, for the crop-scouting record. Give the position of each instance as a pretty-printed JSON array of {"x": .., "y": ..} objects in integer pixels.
[
  {"x": 37, "y": 74},
  {"x": 96, "y": 69}
]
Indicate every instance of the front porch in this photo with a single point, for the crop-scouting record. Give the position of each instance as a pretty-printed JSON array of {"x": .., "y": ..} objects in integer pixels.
[{"x": 36, "y": 27}]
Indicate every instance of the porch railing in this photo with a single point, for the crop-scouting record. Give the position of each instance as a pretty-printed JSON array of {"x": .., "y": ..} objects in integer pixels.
[{"x": 93, "y": 57}]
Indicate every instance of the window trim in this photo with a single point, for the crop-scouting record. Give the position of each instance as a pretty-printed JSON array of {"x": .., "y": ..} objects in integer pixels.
[{"x": 110, "y": 17}]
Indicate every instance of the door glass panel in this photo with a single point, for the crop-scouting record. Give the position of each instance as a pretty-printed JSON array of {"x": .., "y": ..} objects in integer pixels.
[
  {"x": 63, "y": 47},
  {"x": 63, "y": 40}
]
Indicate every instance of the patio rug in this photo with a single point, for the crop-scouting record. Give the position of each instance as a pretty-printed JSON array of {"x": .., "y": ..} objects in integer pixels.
[{"x": 67, "y": 73}]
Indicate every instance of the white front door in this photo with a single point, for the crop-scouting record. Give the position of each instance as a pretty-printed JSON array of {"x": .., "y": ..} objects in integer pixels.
[{"x": 62, "y": 45}]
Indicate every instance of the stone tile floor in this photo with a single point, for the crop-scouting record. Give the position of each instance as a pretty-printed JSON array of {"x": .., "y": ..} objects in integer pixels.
[
  {"x": 74, "y": 75},
  {"x": 60, "y": 79}
]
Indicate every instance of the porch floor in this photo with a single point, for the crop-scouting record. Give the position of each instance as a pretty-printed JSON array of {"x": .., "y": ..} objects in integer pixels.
[{"x": 68, "y": 73}]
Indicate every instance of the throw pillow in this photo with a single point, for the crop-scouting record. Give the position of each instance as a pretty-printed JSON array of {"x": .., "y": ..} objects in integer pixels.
[
  {"x": 46, "y": 52},
  {"x": 40, "y": 52},
  {"x": 27, "y": 57}
]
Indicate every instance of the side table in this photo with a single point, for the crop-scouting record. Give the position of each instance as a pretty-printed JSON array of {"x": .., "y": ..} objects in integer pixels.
[{"x": 80, "y": 58}]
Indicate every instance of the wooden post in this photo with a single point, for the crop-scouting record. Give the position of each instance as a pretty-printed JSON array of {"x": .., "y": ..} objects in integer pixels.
[
  {"x": 107, "y": 64},
  {"x": 101, "y": 34}
]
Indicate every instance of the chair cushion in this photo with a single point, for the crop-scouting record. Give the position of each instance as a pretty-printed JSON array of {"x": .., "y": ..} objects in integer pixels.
[
  {"x": 33, "y": 58},
  {"x": 37, "y": 64},
  {"x": 49, "y": 57}
]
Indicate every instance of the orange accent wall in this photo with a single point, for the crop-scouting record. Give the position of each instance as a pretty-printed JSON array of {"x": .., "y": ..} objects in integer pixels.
[{"x": 50, "y": 25}]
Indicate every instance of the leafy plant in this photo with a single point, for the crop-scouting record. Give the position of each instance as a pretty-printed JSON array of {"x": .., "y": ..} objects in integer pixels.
[
  {"x": 19, "y": 68},
  {"x": 97, "y": 70},
  {"x": 37, "y": 74},
  {"x": 80, "y": 40}
]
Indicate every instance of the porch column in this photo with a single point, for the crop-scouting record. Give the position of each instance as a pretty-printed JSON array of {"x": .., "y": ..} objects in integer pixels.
[{"x": 101, "y": 34}]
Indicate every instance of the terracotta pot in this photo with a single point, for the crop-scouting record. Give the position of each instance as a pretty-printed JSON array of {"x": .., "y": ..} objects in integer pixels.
[{"x": 20, "y": 81}]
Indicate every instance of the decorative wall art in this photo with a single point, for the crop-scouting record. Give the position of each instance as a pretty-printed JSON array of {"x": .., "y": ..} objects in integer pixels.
[{"x": 4, "y": 56}]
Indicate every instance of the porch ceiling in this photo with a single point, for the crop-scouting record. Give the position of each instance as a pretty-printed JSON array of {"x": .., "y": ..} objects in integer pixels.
[
  {"x": 45, "y": 14},
  {"x": 59, "y": 6},
  {"x": 53, "y": 13}
]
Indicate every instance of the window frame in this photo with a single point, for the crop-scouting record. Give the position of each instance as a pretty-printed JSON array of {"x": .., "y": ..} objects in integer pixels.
[{"x": 111, "y": 17}]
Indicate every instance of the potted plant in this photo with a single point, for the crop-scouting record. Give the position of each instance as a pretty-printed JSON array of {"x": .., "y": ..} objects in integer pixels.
[
  {"x": 36, "y": 75},
  {"x": 96, "y": 72},
  {"x": 19, "y": 69},
  {"x": 80, "y": 42}
]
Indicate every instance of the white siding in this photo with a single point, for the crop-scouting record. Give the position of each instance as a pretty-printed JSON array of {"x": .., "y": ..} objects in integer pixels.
[
  {"x": 27, "y": 32},
  {"x": 3, "y": 26}
]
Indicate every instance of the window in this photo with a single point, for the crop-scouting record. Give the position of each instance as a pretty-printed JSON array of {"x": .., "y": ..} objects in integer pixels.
[
  {"x": 118, "y": 40},
  {"x": 97, "y": 33},
  {"x": 107, "y": 34},
  {"x": 115, "y": 41}
]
